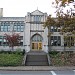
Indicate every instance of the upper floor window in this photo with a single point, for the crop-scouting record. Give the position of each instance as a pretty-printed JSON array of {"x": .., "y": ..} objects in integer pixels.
[
  {"x": 19, "y": 27},
  {"x": 54, "y": 29},
  {"x": 55, "y": 40},
  {"x": 37, "y": 18},
  {"x": 5, "y": 26}
]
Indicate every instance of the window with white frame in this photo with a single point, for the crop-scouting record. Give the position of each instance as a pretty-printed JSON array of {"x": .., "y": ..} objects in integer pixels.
[
  {"x": 5, "y": 26},
  {"x": 54, "y": 29},
  {"x": 3, "y": 41},
  {"x": 55, "y": 40},
  {"x": 37, "y": 18},
  {"x": 68, "y": 41},
  {"x": 18, "y": 27}
]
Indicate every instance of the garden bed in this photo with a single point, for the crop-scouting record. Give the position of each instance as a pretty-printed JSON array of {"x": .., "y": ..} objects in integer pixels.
[
  {"x": 11, "y": 59},
  {"x": 62, "y": 58}
]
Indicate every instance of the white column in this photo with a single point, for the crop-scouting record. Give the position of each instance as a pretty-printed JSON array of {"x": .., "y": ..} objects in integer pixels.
[
  {"x": 45, "y": 40},
  {"x": 27, "y": 37}
]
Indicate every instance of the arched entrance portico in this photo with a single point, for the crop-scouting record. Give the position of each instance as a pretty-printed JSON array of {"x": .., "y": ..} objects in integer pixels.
[{"x": 36, "y": 42}]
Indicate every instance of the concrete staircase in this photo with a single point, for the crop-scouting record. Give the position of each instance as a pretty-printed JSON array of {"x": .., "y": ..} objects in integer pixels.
[{"x": 36, "y": 58}]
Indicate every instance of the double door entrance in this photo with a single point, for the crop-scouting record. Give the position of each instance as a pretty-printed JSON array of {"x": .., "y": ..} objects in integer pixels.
[
  {"x": 36, "y": 45},
  {"x": 36, "y": 42}
]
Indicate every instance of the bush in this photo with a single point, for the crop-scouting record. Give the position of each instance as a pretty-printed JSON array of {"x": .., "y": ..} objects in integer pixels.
[
  {"x": 62, "y": 58},
  {"x": 23, "y": 51},
  {"x": 53, "y": 52},
  {"x": 10, "y": 59},
  {"x": 18, "y": 51},
  {"x": 5, "y": 52}
]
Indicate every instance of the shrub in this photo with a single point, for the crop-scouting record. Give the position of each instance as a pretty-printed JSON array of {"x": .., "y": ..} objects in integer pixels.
[
  {"x": 18, "y": 51},
  {"x": 23, "y": 51},
  {"x": 53, "y": 52},
  {"x": 10, "y": 59}
]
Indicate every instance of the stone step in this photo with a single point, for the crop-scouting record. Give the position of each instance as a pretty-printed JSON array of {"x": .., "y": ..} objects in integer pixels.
[
  {"x": 36, "y": 53},
  {"x": 37, "y": 64},
  {"x": 36, "y": 58}
]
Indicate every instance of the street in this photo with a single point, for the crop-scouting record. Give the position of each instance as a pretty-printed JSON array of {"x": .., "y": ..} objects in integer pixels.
[{"x": 67, "y": 72}]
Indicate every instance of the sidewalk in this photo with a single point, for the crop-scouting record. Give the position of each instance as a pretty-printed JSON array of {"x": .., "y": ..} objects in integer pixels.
[{"x": 37, "y": 68}]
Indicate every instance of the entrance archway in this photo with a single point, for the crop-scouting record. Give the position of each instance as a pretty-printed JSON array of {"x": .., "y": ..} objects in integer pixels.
[{"x": 36, "y": 42}]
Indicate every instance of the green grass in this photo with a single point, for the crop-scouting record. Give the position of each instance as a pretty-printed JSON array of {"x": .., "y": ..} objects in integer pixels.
[{"x": 10, "y": 59}]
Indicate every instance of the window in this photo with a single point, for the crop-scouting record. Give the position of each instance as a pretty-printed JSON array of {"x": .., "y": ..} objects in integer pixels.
[
  {"x": 2, "y": 28},
  {"x": 22, "y": 28},
  {"x": 15, "y": 27},
  {"x": 21, "y": 43},
  {"x": 18, "y": 27},
  {"x": 68, "y": 41},
  {"x": 37, "y": 18},
  {"x": 55, "y": 41},
  {"x": 54, "y": 29},
  {"x": 3, "y": 41},
  {"x": 37, "y": 38},
  {"x": 5, "y": 26},
  {"x": 21, "y": 40},
  {"x": 21, "y": 37}
]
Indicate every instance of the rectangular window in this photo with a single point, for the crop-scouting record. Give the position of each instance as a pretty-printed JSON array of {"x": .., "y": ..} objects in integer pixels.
[
  {"x": 8, "y": 27},
  {"x": 3, "y": 41},
  {"x": 22, "y": 28},
  {"x": 21, "y": 37},
  {"x": 68, "y": 41},
  {"x": 54, "y": 29},
  {"x": 21, "y": 41},
  {"x": 51, "y": 29},
  {"x": 5, "y": 26},
  {"x": 55, "y": 40},
  {"x": 15, "y": 28},
  {"x": 19, "y": 27},
  {"x": 2, "y": 28},
  {"x": 37, "y": 18}
]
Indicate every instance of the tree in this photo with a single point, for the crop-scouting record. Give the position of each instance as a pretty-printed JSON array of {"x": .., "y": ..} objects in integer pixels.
[
  {"x": 12, "y": 40},
  {"x": 64, "y": 20},
  {"x": 60, "y": 6}
]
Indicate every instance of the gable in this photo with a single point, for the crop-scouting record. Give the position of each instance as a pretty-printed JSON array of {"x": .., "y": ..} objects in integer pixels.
[{"x": 37, "y": 12}]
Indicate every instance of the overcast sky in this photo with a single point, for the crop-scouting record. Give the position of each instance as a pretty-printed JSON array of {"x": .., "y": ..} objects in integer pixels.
[{"x": 19, "y": 8}]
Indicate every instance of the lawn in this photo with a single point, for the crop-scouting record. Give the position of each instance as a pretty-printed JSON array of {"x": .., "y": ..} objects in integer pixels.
[
  {"x": 10, "y": 59},
  {"x": 62, "y": 59}
]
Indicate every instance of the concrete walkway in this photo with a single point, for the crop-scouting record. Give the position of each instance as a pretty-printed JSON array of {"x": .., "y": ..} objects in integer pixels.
[{"x": 37, "y": 68}]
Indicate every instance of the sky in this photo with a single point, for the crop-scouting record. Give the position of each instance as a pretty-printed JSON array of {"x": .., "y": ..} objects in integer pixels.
[{"x": 19, "y": 8}]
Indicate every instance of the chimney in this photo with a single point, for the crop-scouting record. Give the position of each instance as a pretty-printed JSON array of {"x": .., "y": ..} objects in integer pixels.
[{"x": 1, "y": 12}]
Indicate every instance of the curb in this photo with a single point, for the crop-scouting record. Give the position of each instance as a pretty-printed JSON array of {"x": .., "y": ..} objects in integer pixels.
[{"x": 37, "y": 68}]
